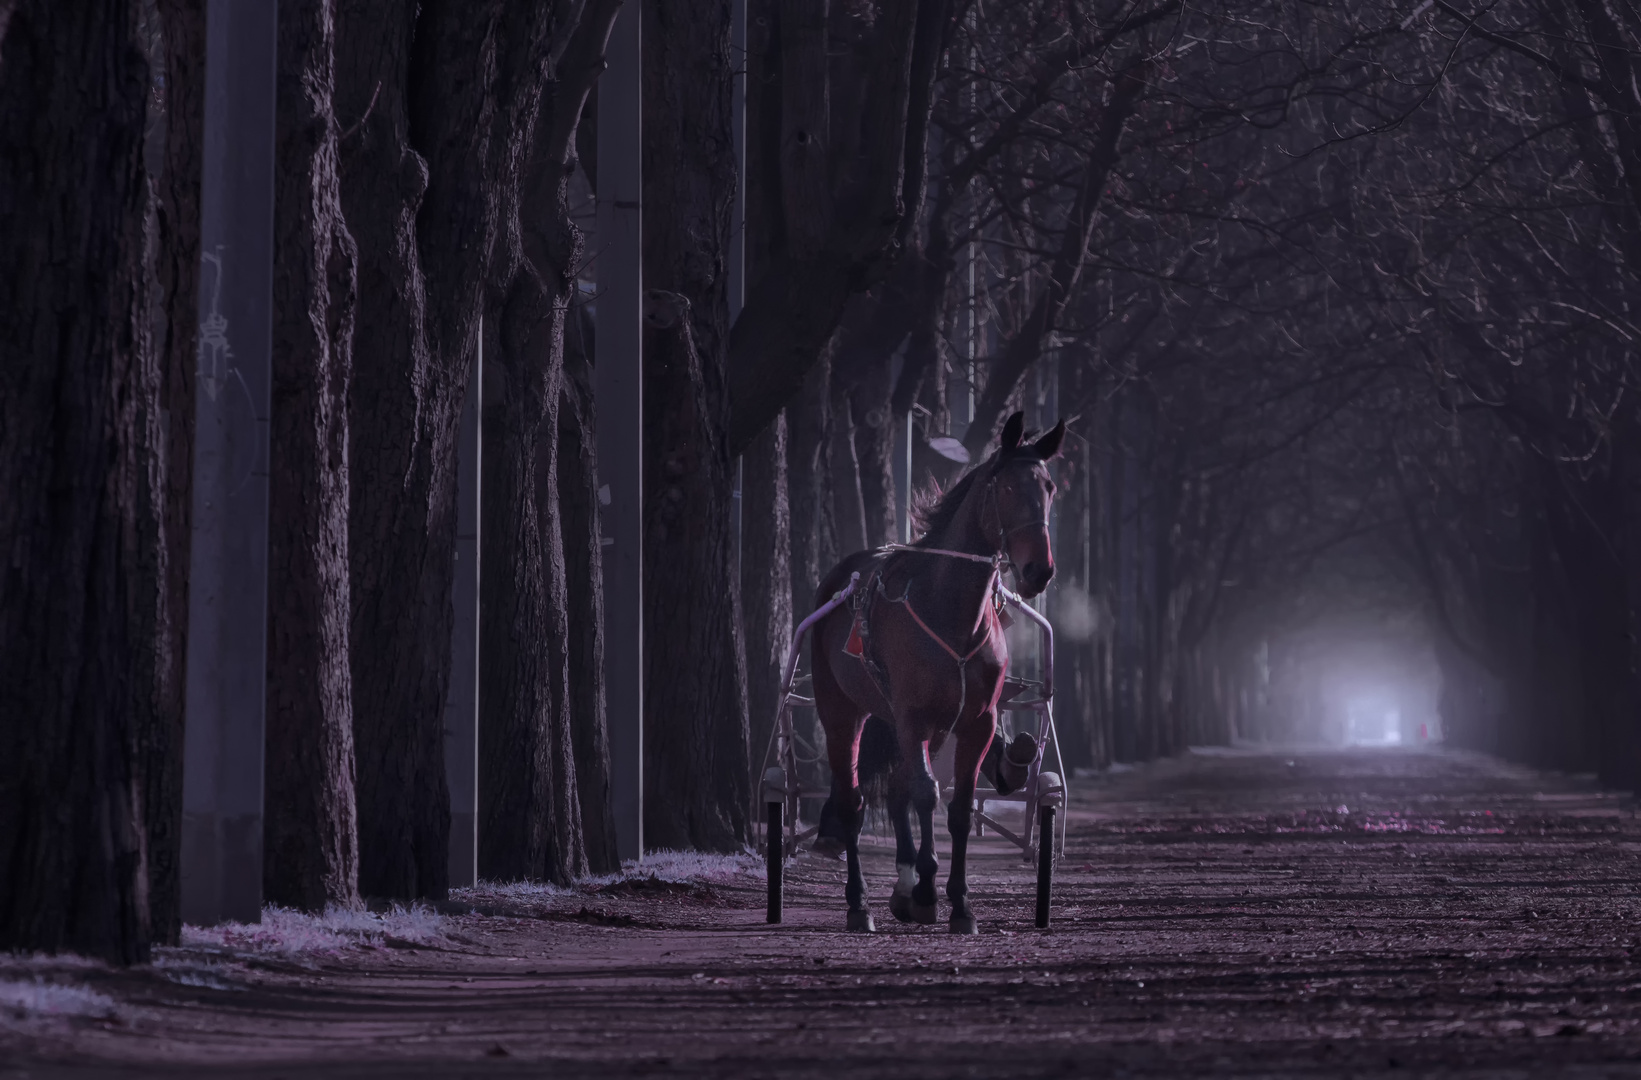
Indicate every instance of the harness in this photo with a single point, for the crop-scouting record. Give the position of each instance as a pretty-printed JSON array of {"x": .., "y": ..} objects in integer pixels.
[{"x": 860, "y": 635}]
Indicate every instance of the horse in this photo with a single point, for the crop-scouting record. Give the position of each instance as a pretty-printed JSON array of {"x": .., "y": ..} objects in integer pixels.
[{"x": 921, "y": 645}]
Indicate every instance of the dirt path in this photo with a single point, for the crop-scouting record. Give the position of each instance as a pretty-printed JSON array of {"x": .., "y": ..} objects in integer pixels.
[{"x": 1301, "y": 913}]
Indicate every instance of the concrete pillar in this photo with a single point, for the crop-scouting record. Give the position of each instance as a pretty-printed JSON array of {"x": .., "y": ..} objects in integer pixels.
[
  {"x": 228, "y": 566},
  {"x": 619, "y": 401},
  {"x": 461, "y": 708},
  {"x": 737, "y": 123},
  {"x": 737, "y": 221}
]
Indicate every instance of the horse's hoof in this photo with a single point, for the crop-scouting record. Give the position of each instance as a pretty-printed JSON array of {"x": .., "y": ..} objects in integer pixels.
[
  {"x": 900, "y": 906},
  {"x": 964, "y": 924},
  {"x": 924, "y": 915},
  {"x": 861, "y": 920}
]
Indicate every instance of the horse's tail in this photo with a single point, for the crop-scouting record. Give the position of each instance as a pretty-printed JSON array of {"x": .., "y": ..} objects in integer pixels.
[{"x": 879, "y": 754}]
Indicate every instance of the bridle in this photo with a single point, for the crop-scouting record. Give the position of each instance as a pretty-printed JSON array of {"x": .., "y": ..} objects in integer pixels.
[{"x": 999, "y": 556}]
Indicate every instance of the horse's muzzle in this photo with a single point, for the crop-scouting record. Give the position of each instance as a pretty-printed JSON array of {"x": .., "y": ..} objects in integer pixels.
[{"x": 1034, "y": 578}]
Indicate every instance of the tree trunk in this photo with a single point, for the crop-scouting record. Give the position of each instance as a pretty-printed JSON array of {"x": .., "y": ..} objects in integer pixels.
[
  {"x": 1072, "y": 603},
  {"x": 848, "y": 505},
  {"x": 809, "y": 488},
  {"x": 766, "y": 581},
  {"x": 436, "y": 93},
  {"x": 524, "y": 721},
  {"x": 403, "y": 417},
  {"x": 835, "y": 243},
  {"x": 875, "y": 451},
  {"x": 696, "y": 791},
  {"x": 767, "y": 609},
  {"x": 310, "y": 848},
  {"x": 175, "y": 279},
  {"x": 695, "y": 722},
  {"x": 530, "y": 810},
  {"x": 1581, "y": 528},
  {"x": 584, "y": 571},
  {"x": 530, "y": 816},
  {"x": 80, "y": 410}
]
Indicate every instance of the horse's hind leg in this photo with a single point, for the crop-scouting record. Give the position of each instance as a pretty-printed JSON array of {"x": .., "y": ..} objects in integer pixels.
[
  {"x": 922, "y": 793},
  {"x": 842, "y": 721},
  {"x": 972, "y": 742},
  {"x": 900, "y": 812}
]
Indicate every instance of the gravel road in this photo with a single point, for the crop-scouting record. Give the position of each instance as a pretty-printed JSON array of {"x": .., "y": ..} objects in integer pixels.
[{"x": 1237, "y": 913}]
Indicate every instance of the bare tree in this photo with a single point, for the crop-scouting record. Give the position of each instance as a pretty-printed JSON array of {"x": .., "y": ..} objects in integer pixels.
[
  {"x": 82, "y": 462},
  {"x": 310, "y": 845}
]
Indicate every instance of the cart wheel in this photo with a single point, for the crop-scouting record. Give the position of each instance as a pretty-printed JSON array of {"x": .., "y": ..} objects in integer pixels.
[
  {"x": 1045, "y": 863},
  {"x": 776, "y": 855}
]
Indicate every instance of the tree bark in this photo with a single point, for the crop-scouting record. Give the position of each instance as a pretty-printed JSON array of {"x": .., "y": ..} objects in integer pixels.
[
  {"x": 311, "y": 848},
  {"x": 695, "y": 723},
  {"x": 848, "y": 504},
  {"x": 529, "y": 819},
  {"x": 835, "y": 243},
  {"x": 175, "y": 280},
  {"x": 524, "y": 722},
  {"x": 403, "y": 416},
  {"x": 529, "y": 806},
  {"x": 809, "y": 488},
  {"x": 766, "y": 525},
  {"x": 584, "y": 570},
  {"x": 696, "y": 788},
  {"x": 766, "y": 581},
  {"x": 427, "y": 92},
  {"x": 874, "y": 445},
  {"x": 1072, "y": 597},
  {"x": 80, "y": 465}
]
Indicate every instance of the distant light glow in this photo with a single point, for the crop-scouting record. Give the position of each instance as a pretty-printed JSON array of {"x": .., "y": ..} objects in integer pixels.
[{"x": 1373, "y": 721}]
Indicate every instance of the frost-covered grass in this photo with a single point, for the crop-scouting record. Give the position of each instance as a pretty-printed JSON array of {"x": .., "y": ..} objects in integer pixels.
[
  {"x": 687, "y": 868},
  {"x": 26, "y": 999},
  {"x": 517, "y": 891},
  {"x": 673, "y": 867},
  {"x": 294, "y": 934}
]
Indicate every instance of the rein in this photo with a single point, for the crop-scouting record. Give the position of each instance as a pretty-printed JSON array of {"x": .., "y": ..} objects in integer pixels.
[{"x": 993, "y": 560}]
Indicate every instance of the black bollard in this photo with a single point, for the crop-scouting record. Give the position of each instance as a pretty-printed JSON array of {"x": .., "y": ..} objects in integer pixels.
[
  {"x": 1045, "y": 864},
  {"x": 776, "y": 856}
]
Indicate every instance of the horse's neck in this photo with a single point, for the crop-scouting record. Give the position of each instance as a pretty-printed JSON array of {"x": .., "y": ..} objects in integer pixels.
[
  {"x": 957, "y": 588},
  {"x": 967, "y": 532}
]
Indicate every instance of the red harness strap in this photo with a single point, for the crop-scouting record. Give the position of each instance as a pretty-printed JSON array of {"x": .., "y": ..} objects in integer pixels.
[{"x": 938, "y": 640}]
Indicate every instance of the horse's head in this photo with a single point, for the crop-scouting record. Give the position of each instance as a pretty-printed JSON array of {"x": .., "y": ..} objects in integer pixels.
[{"x": 1022, "y": 494}]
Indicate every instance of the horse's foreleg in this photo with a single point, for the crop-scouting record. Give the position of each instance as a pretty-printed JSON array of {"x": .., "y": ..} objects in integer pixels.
[{"x": 971, "y": 747}]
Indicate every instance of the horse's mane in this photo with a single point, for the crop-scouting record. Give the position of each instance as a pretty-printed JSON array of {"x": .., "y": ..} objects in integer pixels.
[{"x": 932, "y": 510}]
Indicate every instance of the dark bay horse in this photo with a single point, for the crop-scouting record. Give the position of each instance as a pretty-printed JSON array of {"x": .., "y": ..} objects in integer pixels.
[{"x": 921, "y": 646}]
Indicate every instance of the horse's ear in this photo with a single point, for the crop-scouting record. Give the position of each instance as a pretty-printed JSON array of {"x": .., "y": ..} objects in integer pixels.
[
  {"x": 1012, "y": 431},
  {"x": 1049, "y": 445}
]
